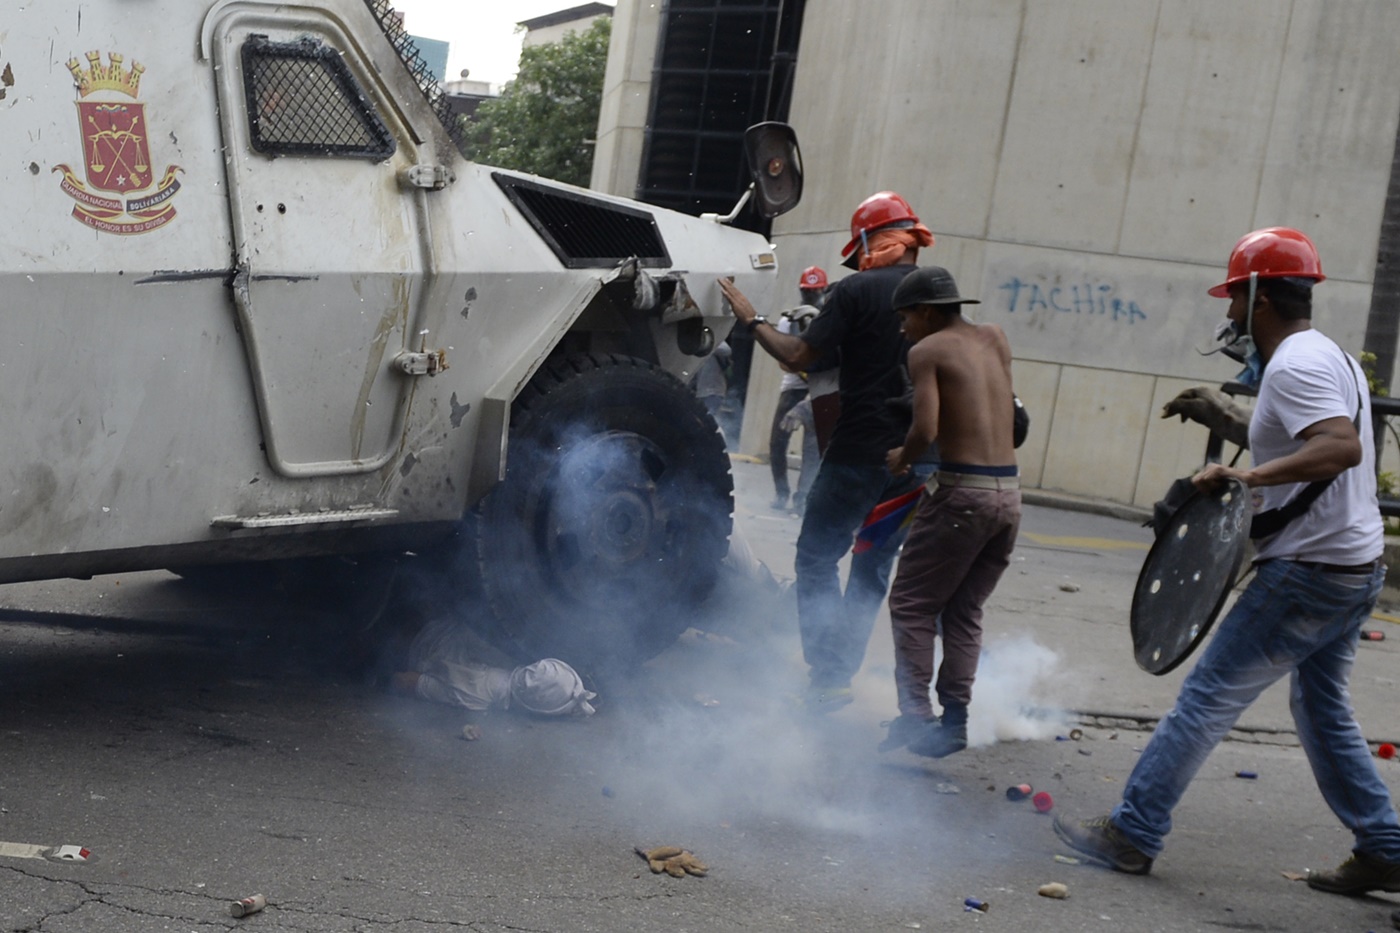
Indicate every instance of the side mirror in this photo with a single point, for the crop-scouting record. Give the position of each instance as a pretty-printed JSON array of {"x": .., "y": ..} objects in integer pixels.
[{"x": 775, "y": 165}]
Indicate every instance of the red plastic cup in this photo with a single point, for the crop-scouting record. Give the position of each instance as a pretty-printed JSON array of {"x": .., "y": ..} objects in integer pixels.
[
  {"x": 1386, "y": 750},
  {"x": 1043, "y": 802}
]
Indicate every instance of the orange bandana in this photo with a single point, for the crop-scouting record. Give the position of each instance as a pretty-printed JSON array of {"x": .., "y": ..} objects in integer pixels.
[{"x": 886, "y": 247}]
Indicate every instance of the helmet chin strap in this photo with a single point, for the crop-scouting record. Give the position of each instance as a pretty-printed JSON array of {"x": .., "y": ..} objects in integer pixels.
[
  {"x": 1249, "y": 315},
  {"x": 1223, "y": 331}
]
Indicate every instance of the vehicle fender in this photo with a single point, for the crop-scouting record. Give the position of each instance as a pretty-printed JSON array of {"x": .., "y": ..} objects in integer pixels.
[{"x": 489, "y": 460}]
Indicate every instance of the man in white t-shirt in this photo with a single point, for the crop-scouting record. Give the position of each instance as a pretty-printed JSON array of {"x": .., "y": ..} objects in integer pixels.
[{"x": 1317, "y": 575}]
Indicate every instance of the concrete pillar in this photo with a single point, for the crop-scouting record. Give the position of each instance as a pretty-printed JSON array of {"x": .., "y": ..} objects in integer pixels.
[{"x": 622, "y": 118}]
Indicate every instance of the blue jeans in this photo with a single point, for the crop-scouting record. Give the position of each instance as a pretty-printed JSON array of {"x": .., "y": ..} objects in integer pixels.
[
  {"x": 835, "y": 628},
  {"x": 1291, "y": 619}
]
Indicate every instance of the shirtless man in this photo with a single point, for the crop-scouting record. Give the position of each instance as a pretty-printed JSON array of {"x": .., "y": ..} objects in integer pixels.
[{"x": 966, "y": 524}]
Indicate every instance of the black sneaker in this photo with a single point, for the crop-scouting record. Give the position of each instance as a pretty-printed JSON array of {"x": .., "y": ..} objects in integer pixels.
[
  {"x": 903, "y": 730},
  {"x": 940, "y": 739},
  {"x": 1357, "y": 875},
  {"x": 1103, "y": 843}
]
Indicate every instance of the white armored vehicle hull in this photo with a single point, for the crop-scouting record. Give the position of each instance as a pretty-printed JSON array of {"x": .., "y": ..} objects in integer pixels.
[{"x": 258, "y": 307}]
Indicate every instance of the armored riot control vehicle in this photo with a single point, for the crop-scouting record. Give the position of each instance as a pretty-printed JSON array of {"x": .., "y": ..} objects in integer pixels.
[{"x": 259, "y": 309}]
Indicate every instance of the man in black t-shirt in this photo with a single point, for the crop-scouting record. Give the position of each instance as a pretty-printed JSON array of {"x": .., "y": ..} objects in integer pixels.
[{"x": 857, "y": 321}]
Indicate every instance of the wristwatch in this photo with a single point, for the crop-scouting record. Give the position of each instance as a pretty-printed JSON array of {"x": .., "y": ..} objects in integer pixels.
[{"x": 758, "y": 319}]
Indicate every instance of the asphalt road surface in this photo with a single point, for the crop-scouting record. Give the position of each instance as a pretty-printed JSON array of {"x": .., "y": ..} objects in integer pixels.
[{"x": 206, "y": 747}]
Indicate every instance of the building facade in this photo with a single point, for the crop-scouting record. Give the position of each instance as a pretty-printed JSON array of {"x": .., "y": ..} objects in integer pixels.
[
  {"x": 1086, "y": 169},
  {"x": 553, "y": 27}
]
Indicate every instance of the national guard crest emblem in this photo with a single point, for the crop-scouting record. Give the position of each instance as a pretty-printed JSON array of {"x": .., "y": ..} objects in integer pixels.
[{"x": 116, "y": 152}]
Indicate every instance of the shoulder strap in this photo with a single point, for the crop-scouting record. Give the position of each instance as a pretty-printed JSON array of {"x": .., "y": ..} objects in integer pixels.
[{"x": 1269, "y": 523}]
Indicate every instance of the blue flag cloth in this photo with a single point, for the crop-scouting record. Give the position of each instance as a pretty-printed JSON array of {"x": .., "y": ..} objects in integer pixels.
[{"x": 886, "y": 520}]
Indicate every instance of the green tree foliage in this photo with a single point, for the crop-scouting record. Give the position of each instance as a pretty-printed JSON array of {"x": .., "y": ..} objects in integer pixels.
[{"x": 545, "y": 120}]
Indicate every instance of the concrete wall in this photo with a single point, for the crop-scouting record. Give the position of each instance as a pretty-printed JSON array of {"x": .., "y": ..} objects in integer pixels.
[{"x": 1086, "y": 168}]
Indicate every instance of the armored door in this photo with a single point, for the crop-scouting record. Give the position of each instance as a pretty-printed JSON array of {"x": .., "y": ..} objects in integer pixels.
[{"x": 330, "y": 264}]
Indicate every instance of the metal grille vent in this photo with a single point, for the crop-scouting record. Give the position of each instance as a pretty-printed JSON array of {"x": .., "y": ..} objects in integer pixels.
[
  {"x": 586, "y": 232},
  {"x": 392, "y": 25},
  {"x": 303, "y": 100}
]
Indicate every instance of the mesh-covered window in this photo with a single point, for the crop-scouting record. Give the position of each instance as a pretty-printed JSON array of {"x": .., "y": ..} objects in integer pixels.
[
  {"x": 303, "y": 100},
  {"x": 586, "y": 232}
]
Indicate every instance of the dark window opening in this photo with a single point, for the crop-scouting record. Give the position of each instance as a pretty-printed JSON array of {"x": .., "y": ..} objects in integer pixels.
[
  {"x": 721, "y": 66},
  {"x": 586, "y": 232}
]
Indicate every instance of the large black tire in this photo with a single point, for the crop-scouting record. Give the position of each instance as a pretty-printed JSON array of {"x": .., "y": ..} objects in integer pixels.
[{"x": 613, "y": 517}]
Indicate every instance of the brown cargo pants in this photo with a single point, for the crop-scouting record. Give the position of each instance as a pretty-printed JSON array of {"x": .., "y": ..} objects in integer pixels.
[{"x": 958, "y": 546}]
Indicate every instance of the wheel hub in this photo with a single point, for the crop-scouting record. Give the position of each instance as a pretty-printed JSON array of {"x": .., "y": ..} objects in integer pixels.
[{"x": 605, "y": 523}]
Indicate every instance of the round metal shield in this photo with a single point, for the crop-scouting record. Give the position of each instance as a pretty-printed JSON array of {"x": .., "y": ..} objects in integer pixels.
[{"x": 1187, "y": 575}]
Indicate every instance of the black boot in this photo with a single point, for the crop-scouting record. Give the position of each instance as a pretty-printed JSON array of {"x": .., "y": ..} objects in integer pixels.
[
  {"x": 904, "y": 728},
  {"x": 944, "y": 737}
]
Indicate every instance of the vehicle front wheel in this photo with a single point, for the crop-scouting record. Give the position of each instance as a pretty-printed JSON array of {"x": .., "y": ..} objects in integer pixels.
[{"x": 613, "y": 517}]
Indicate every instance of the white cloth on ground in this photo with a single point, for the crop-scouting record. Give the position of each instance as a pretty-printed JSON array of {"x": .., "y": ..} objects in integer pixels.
[
  {"x": 443, "y": 654},
  {"x": 550, "y": 688}
]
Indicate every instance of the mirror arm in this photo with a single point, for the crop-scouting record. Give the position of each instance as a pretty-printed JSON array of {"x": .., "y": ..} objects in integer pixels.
[{"x": 729, "y": 218}]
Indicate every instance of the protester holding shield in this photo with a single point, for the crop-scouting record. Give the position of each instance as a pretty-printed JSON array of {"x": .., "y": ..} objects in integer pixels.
[{"x": 1317, "y": 577}]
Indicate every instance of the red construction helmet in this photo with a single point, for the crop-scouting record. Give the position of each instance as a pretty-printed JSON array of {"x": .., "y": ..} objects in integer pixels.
[
  {"x": 1271, "y": 253},
  {"x": 813, "y": 278},
  {"x": 880, "y": 210}
]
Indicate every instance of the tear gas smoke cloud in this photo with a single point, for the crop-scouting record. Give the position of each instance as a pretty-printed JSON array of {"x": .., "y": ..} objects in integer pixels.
[
  {"x": 1018, "y": 694},
  {"x": 706, "y": 747},
  {"x": 1021, "y": 692},
  {"x": 710, "y": 737},
  {"x": 754, "y": 758}
]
